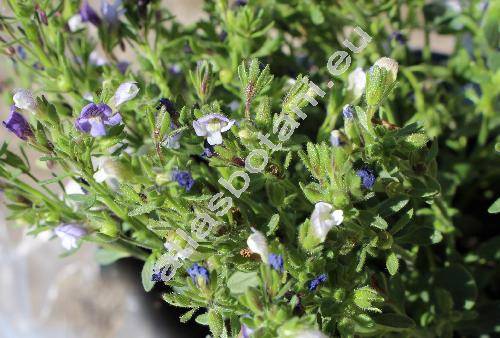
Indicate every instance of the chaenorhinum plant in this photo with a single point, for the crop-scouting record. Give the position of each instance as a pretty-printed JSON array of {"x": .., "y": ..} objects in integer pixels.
[{"x": 278, "y": 176}]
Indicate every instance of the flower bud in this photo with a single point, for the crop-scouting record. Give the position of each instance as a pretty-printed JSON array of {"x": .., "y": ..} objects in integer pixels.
[
  {"x": 23, "y": 99},
  {"x": 125, "y": 92},
  {"x": 390, "y": 65},
  {"x": 380, "y": 80},
  {"x": 257, "y": 243}
]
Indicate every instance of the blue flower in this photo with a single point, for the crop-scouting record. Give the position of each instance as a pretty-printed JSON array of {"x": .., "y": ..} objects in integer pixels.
[
  {"x": 313, "y": 285},
  {"x": 367, "y": 177},
  {"x": 94, "y": 118},
  {"x": 111, "y": 12},
  {"x": 399, "y": 37},
  {"x": 209, "y": 150},
  {"x": 21, "y": 52},
  {"x": 159, "y": 274},
  {"x": 199, "y": 274},
  {"x": 167, "y": 104},
  {"x": 348, "y": 111},
  {"x": 276, "y": 261},
  {"x": 17, "y": 124},
  {"x": 89, "y": 15},
  {"x": 184, "y": 179}
]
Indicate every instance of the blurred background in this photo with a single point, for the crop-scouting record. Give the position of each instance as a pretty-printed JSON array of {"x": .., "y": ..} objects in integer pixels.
[{"x": 46, "y": 295}]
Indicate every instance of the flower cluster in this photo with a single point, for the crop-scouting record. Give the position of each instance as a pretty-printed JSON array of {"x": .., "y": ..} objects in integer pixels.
[{"x": 295, "y": 195}]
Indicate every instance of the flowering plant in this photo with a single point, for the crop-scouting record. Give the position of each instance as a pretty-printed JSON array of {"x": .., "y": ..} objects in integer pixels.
[{"x": 272, "y": 188}]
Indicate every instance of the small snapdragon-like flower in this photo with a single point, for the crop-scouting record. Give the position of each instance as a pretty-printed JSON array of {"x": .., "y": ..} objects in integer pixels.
[
  {"x": 167, "y": 105},
  {"x": 156, "y": 276},
  {"x": 96, "y": 59},
  {"x": 74, "y": 188},
  {"x": 209, "y": 150},
  {"x": 199, "y": 274},
  {"x": 122, "y": 66},
  {"x": 94, "y": 118},
  {"x": 367, "y": 177},
  {"x": 69, "y": 235},
  {"x": 21, "y": 52},
  {"x": 183, "y": 178},
  {"x": 75, "y": 23},
  {"x": 111, "y": 12},
  {"x": 356, "y": 82},
  {"x": 125, "y": 92},
  {"x": 172, "y": 142},
  {"x": 246, "y": 332},
  {"x": 159, "y": 274},
  {"x": 348, "y": 112},
  {"x": 399, "y": 37},
  {"x": 23, "y": 99},
  {"x": 17, "y": 124},
  {"x": 111, "y": 171},
  {"x": 88, "y": 14},
  {"x": 337, "y": 139},
  {"x": 313, "y": 284},
  {"x": 257, "y": 243},
  {"x": 212, "y": 126},
  {"x": 323, "y": 218},
  {"x": 276, "y": 261}
]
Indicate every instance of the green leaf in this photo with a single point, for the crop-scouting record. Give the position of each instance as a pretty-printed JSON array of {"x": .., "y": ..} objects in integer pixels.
[
  {"x": 392, "y": 263},
  {"x": 202, "y": 319},
  {"x": 109, "y": 256},
  {"x": 215, "y": 322},
  {"x": 239, "y": 281},
  {"x": 365, "y": 297},
  {"x": 460, "y": 283},
  {"x": 188, "y": 315},
  {"x": 495, "y": 207},
  {"x": 394, "y": 320},
  {"x": 147, "y": 272},
  {"x": 379, "y": 222},
  {"x": 273, "y": 224},
  {"x": 143, "y": 209},
  {"x": 392, "y": 205}
]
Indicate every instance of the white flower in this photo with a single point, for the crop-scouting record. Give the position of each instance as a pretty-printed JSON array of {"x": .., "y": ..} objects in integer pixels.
[
  {"x": 337, "y": 139},
  {"x": 356, "y": 82},
  {"x": 96, "y": 59},
  {"x": 73, "y": 188},
  {"x": 390, "y": 65},
  {"x": 69, "y": 235},
  {"x": 257, "y": 243},
  {"x": 125, "y": 92},
  {"x": 111, "y": 171},
  {"x": 212, "y": 126},
  {"x": 76, "y": 23},
  {"x": 88, "y": 96},
  {"x": 323, "y": 219},
  {"x": 234, "y": 105},
  {"x": 310, "y": 334},
  {"x": 23, "y": 99}
]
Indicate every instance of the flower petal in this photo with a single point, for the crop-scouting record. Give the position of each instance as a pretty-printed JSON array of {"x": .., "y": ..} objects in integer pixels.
[
  {"x": 97, "y": 127},
  {"x": 215, "y": 138}
]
